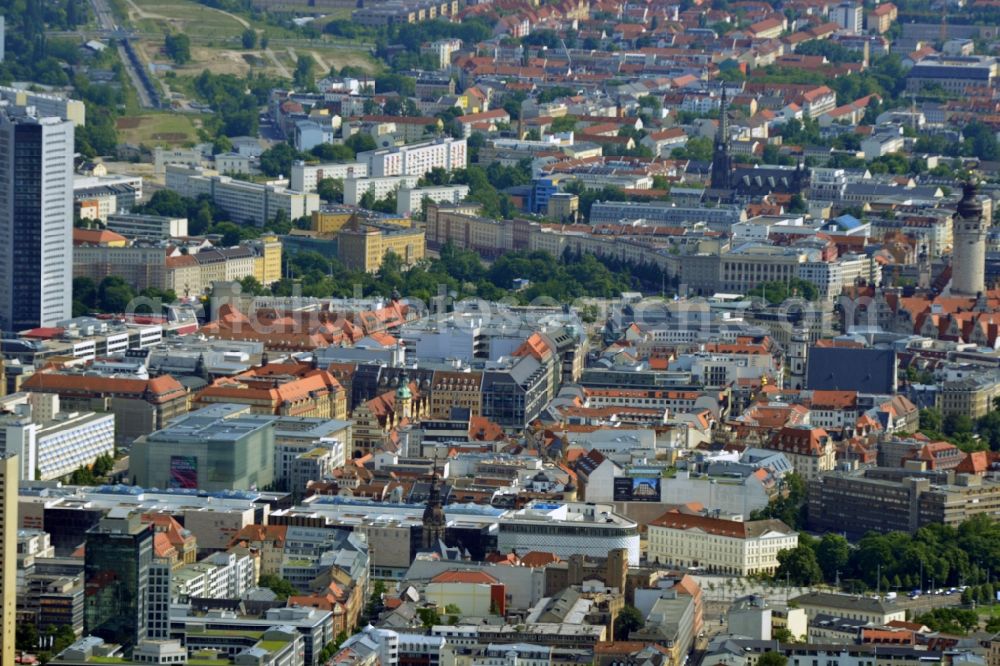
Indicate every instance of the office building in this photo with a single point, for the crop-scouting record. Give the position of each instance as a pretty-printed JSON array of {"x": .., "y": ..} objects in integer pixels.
[
  {"x": 886, "y": 500},
  {"x": 221, "y": 447},
  {"x": 140, "y": 406},
  {"x": 118, "y": 555},
  {"x": 9, "y": 472},
  {"x": 281, "y": 389},
  {"x": 36, "y": 220},
  {"x": 52, "y": 443},
  {"x": 245, "y": 202},
  {"x": 298, "y": 436},
  {"x": 149, "y": 227},
  {"x": 46, "y": 104},
  {"x": 955, "y": 74}
]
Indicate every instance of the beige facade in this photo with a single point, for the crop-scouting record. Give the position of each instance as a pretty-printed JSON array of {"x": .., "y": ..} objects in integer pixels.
[
  {"x": 719, "y": 545},
  {"x": 139, "y": 266},
  {"x": 365, "y": 248},
  {"x": 972, "y": 397},
  {"x": 9, "y": 466},
  {"x": 456, "y": 389}
]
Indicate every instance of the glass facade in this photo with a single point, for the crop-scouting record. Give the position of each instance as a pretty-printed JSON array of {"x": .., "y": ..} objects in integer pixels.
[{"x": 116, "y": 572}]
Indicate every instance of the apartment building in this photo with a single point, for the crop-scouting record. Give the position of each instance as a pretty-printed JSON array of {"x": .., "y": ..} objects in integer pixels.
[
  {"x": 416, "y": 159},
  {"x": 810, "y": 450},
  {"x": 410, "y": 200},
  {"x": 47, "y": 104},
  {"x": 379, "y": 187},
  {"x": 484, "y": 235},
  {"x": 404, "y": 11},
  {"x": 245, "y": 202},
  {"x": 881, "y": 18},
  {"x": 365, "y": 247},
  {"x": 305, "y": 177},
  {"x": 145, "y": 264},
  {"x": 719, "y": 545}
]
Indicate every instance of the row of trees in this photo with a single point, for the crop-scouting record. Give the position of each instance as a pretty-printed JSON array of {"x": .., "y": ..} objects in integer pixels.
[
  {"x": 934, "y": 556},
  {"x": 462, "y": 274},
  {"x": 982, "y": 434},
  {"x": 112, "y": 294}
]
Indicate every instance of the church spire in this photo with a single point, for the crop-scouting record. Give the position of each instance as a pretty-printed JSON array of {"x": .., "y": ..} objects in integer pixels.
[
  {"x": 723, "y": 136},
  {"x": 433, "y": 519},
  {"x": 722, "y": 161}
]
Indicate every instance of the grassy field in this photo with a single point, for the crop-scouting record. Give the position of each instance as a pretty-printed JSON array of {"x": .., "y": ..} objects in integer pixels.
[{"x": 158, "y": 129}]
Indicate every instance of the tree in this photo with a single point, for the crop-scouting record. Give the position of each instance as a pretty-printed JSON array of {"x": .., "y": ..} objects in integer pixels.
[
  {"x": 333, "y": 152},
  {"x": 628, "y": 620},
  {"x": 772, "y": 658},
  {"x": 331, "y": 189},
  {"x": 277, "y": 160},
  {"x": 360, "y": 142},
  {"x": 930, "y": 420},
  {"x": 278, "y": 585},
  {"x": 956, "y": 424},
  {"x": 833, "y": 553},
  {"x": 178, "y": 47},
  {"x": 26, "y": 636},
  {"x": 428, "y": 617},
  {"x": 304, "y": 77},
  {"x": 249, "y": 38},
  {"x": 799, "y": 565},
  {"x": 114, "y": 294}
]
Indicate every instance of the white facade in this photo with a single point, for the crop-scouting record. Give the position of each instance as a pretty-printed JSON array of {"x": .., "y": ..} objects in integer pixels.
[
  {"x": 152, "y": 227},
  {"x": 849, "y": 16},
  {"x": 380, "y": 187},
  {"x": 411, "y": 200},
  {"x": 741, "y": 548},
  {"x": 305, "y": 177},
  {"x": 71, "y": 440},
  {"x": 569, "y": 528},
  {"x": 219, "y": 576},
  {"x": 36, "y": 220},
  {"x": 246, "y": 202},
  {"x": 416, "y": 159}
]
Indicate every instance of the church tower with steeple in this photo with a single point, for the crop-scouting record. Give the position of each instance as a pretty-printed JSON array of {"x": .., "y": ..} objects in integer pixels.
[
  {"x": 433, "y": 519},
  {"x": 722, "y": 161}
]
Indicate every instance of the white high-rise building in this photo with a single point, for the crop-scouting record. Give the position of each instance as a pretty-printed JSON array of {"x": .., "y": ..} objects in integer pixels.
[
  {"x": 849, "y": 16},
  {"x": 36, "y": 219}
]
